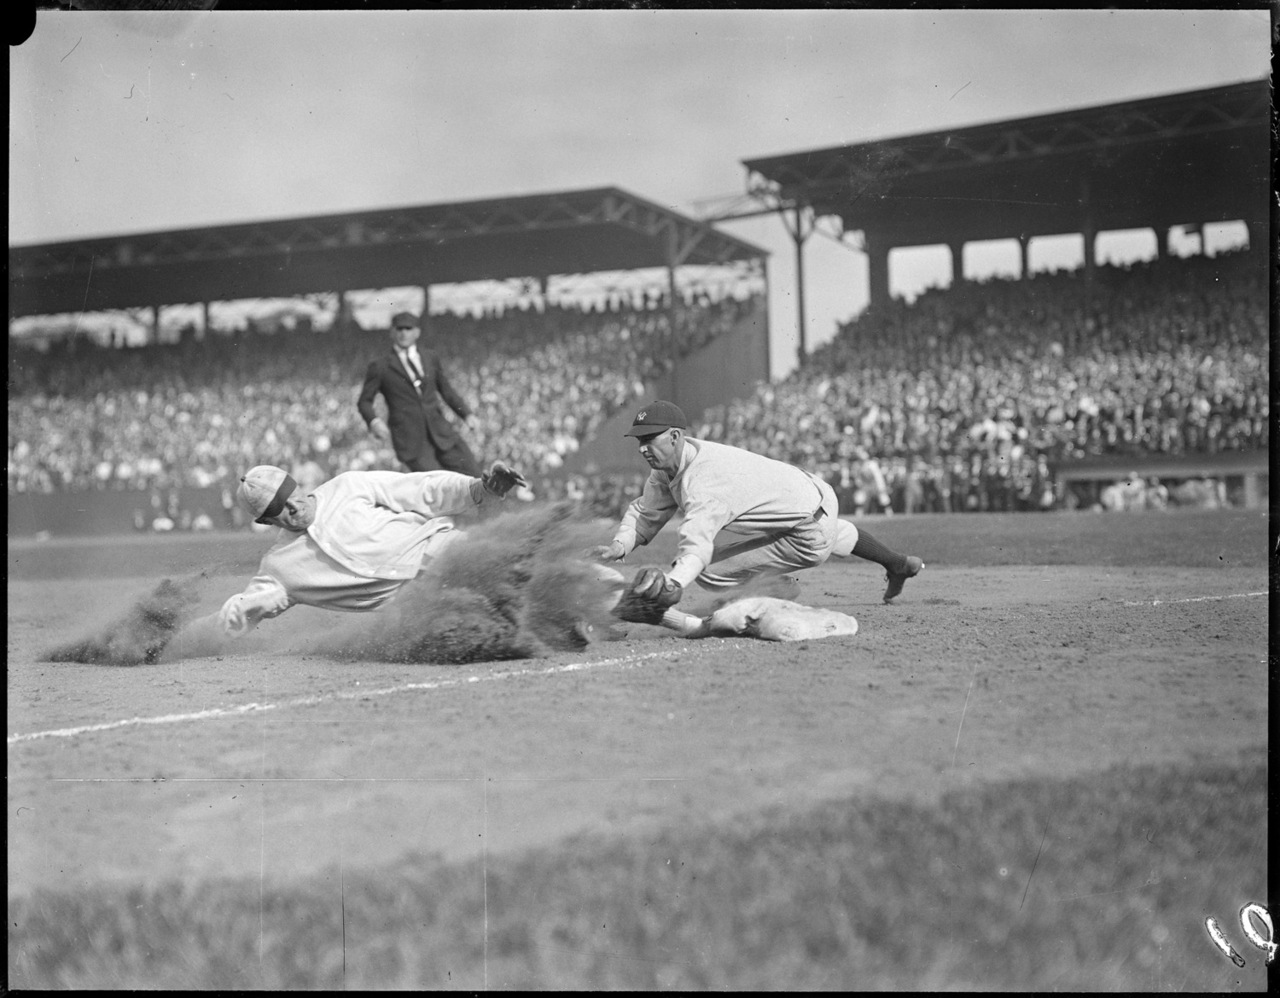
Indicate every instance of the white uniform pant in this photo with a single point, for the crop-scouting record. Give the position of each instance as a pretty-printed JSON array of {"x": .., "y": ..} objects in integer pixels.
[{"x": 739, "y": 557}]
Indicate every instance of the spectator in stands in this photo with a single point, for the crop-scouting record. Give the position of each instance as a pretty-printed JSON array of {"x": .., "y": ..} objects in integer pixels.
[{"x": 1157, "y": 496}]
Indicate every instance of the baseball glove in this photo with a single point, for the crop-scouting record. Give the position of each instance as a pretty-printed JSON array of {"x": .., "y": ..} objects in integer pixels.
[
  {"x": 499, "y": 479},
  {"x": 648, "y": 597}
]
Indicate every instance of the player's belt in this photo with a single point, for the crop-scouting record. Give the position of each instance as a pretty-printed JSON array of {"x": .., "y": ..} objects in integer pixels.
[{"x": 818, "y": 514}]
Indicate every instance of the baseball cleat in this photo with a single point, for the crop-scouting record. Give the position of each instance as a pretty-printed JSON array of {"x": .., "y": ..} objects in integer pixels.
[{"x": 899, "y": 579}]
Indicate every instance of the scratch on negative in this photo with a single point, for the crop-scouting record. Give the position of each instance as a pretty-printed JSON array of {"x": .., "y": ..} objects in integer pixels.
[
  {"x": 956, "y": 750},
  {"x": 1033, "y": 870},
  {"x": 73, "y": 48},
  {"x": 342, "y": 891},
  {"x": 1122, "y": 890},
  {"x": 957, "y": 93},
  {"x": 87, "y": 281}
]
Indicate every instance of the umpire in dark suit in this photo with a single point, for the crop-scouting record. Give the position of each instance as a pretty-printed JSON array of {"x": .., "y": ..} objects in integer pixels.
[{"x": 413, "y": 384}]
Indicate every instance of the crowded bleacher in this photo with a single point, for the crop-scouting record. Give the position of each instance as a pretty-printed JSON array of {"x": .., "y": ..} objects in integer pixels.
[
  {"x": 963, "y": 400},
  {"x": 966, "y": 399},
  {"x": 196, "y": 413}
]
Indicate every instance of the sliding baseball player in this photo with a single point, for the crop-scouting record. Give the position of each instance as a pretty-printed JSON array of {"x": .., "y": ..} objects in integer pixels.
[{"x": 354, "y": 541}]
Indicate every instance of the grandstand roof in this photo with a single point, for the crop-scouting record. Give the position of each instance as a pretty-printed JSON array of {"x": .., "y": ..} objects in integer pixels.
[
  {"x": 1193, "y": 157},
  {"x": 571, "y": 232}
]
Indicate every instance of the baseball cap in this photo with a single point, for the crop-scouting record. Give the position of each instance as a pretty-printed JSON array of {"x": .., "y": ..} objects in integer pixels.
[
  {"x": 656, "y": 417},
  {"x": 263, "y": 491},
  {"x": 405, "y": 319}
]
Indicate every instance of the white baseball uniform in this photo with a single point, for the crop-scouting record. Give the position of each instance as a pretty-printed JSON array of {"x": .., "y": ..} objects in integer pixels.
[
  {"x": 744, "y": 515},
  {"x": 371, "y": 532}
]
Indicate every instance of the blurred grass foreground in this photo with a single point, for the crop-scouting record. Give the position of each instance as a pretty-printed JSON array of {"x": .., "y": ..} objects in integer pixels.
[{"x": 1095, "y": 883}]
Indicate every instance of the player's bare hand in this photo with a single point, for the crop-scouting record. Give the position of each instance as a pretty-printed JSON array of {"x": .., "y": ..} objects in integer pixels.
[
  {"x": 499, "y": 479},
  {"x": 607, "y": 552},
  {"x": 379, "y": 428}
]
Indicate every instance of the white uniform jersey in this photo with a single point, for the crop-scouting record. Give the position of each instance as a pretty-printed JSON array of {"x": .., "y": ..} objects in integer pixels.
[
  {"x": 370, "y": 534},
  {"x": 722, "y": 488}
]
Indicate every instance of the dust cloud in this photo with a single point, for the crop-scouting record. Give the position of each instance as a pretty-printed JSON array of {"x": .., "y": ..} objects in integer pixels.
[
  {"x": 516, "y": 586},
  {"x": 140, "y": 635}
]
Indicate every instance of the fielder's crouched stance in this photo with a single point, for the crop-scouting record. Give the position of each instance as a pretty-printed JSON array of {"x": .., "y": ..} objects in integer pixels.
[
  {"x": 353, "y": 542},
  {"x": 745, "y": 516}
]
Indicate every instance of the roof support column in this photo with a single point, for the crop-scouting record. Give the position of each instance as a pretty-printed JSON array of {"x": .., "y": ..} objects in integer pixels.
[
  {"x": 342, "y": 314},
  {"x": 957, "y": 261},
  {"x": 1024, "y": 256},
  {"x": 155, "y": 323},
  {"x": 877, "y": 269},
  {"x": 204, "y": 320},
  {"x": 1089, "y": 229},
  {"x": 673, "y": 313},
  {"x": 800, "y": 226}
]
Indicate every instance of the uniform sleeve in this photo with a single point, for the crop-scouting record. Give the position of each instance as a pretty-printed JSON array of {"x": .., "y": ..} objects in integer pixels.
[
  {"x": 645, "y": 516},
  {"x": 262, "y": 599},
  {"x": 368, "y": 392},
  {"x": 702, "y": 521},
  {"x": 428, "y": 493}
]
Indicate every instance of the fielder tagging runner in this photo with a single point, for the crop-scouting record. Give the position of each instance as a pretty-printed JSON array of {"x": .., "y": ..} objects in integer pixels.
[{"x": 745, "y": 516}]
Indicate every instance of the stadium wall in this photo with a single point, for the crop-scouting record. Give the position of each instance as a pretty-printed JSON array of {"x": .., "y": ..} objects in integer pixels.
[
  {"x": 1246, "y": 474},
  {"x": 85, "y": 514},
  {"x": 727, "y": 368}
]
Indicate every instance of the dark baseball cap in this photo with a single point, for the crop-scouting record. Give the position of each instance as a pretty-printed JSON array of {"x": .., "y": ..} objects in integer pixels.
[
  {"x": 405, "y": 319},
  {"x": 656, "y": 417}
]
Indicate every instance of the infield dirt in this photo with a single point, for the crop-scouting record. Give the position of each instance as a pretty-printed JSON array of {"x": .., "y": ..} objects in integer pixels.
[{"x": 1031, "y": 647}]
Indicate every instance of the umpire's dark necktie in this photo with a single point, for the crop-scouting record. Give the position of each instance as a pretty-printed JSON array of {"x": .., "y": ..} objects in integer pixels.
[{"x": 413, "y": 367}]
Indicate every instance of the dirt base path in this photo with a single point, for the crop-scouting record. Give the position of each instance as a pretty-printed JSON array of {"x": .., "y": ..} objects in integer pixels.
[{"x": 278, "y": 763}]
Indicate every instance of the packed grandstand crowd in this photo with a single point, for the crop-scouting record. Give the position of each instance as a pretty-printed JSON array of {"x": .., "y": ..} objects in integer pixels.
[
  {"x": 967, "y": 398},
  {"x": 964, "y": 399},
  {"x": 196, "y": 413}
]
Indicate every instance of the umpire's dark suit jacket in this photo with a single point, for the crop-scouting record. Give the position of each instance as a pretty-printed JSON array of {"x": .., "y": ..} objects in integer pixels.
[{"x": 420, "y": 431}]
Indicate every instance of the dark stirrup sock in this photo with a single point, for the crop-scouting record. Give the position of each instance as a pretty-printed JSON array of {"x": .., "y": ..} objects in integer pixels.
[{"x": 871, "y": 549}]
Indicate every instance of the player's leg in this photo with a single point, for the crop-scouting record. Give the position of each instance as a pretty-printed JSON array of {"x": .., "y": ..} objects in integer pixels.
[
  {"x": 738, "y": 560},
  {"x": 850, "y": 541}
]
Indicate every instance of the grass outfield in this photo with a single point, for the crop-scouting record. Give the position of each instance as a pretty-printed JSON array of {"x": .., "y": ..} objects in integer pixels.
[
  {"x": 856, "y": 895},
  {"x": 1042, "y": 769}
]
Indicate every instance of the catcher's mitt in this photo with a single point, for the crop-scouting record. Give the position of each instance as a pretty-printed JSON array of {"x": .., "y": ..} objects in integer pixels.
[{"x": 648, "y": 597}]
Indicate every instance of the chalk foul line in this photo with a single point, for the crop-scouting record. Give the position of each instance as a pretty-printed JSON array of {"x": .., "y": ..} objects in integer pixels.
[
  {"x": 253, "y": 708},
  {"x": 1190, "y": 599}
]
